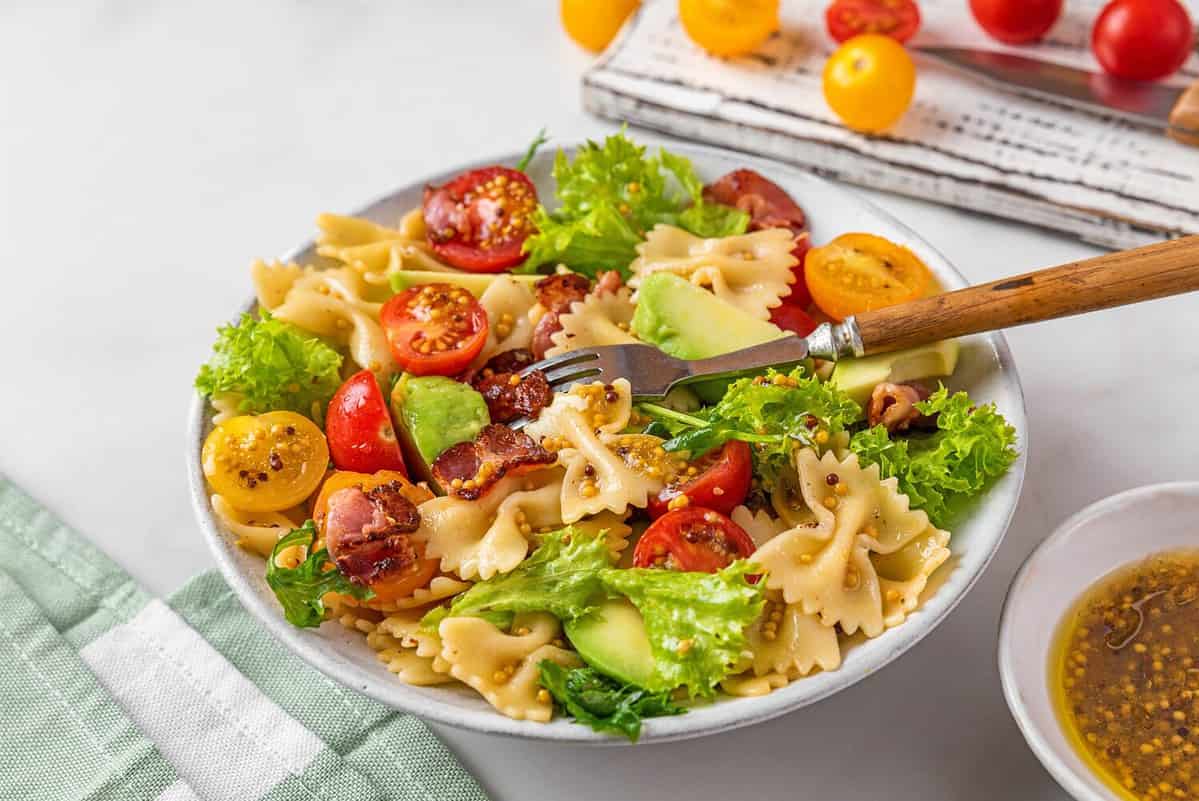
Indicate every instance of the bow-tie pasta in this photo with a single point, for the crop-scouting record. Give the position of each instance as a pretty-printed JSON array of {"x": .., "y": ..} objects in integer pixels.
[
  {"x": 507, "y": 303},
  {"x": 864, "y": 557},
  {"x": 599, "y": 319},
  {"x": 413, "y": 655},
  {"x": 750, "y": 271},
  {"x": 375, "y": 251},
  {"x": 501, "y": 666}
]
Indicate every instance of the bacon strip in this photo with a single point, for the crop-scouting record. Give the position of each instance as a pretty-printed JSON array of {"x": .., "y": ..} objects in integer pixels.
[
  {"x": 469, "y": 469},
  {"x": 894, "y": 406},
  {"x": 557, "y": 292},
  {"x": 510, "y": 396},
  {"x": 367, "y": 532}
]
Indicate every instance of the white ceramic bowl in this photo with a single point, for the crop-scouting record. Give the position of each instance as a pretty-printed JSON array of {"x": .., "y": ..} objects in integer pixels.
[
  {"x": 985, "y": 369},
  {"x": 1119, "y": 530}
]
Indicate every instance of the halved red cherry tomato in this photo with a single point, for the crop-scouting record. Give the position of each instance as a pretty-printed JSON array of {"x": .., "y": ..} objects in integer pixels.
[
  {"x": 361, "y": 436},
  {"x": 434, "y": 329},
  {"x": 480, "y": 220},
  {"x": 790, "y": 317},
  {"x": 693, "y": 539},
  {"x": 720, "y": 482},
  {"x": 768, "y": 206},
  {"x": 898, "y": 19}
]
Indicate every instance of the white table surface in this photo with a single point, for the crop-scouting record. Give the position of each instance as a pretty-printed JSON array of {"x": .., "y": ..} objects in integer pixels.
[{"x": 147, "y": 154}]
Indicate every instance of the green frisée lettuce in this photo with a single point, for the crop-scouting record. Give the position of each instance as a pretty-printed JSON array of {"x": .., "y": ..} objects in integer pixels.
[
  {"x": 300, "y": 588},
  {"x": 602, "y": 703},
  {"x": 972, "y": 446},
  {"x": 560, "y": 577},
  {"x": 695, "y": 621},
  {"x": 775, "y": 414},
  {"x": 272, "y": 366},
  {"x": 610, "y": 195}
]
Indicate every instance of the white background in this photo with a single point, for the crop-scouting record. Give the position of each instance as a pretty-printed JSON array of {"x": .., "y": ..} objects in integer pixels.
[{"x": 147, "y": 154}]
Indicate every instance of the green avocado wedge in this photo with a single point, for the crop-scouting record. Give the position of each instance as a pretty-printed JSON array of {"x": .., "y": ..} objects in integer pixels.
[
  {"x": 474, "y": 283},
  {"x": 612, "y": 640},
  {"x": 431, "y": 414},
  {"x": 858, "y": 377},
  {"x": 689, "y": 322}
]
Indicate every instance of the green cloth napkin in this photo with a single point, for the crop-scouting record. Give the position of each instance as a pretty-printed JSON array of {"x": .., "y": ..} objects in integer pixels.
[{"x": 109, "y": 693}]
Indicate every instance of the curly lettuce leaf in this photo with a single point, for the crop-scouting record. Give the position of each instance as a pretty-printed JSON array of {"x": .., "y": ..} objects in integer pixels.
[
  {"x": 695, "y": 621},
  {"x": 273, "y": 366},
  {"x": 775, "y": 414},
  {"x": 972, "y": 446},
  {"x": 300, "y": 589},
  {"x": 602, "y": 703},
  {"x": 537, "y": 142},
  {"x": 610, "y": 195},
  {"x": 560, "y": 577}
]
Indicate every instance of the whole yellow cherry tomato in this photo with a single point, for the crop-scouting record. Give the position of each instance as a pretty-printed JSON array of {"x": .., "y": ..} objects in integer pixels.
[
  {"x": 593, "y": 24},
  {"x": 729, "y": 27},
  {"x": 860, "y": 272},
  {"x": 267, "y": 462},
  {"x": 869, "y": 81}
]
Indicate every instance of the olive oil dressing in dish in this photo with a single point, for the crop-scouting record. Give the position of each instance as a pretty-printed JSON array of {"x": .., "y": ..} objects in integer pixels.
[{"x": 1125, "y": 677}]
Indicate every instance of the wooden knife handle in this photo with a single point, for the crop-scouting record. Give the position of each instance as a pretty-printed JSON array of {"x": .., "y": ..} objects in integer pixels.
[
  {"x": 1115, "y": 279},
  {"x": 1185, "y": 116}
]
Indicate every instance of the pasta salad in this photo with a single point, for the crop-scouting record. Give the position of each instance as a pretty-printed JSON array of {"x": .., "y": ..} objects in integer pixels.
[{"x": 382, "y": 437}]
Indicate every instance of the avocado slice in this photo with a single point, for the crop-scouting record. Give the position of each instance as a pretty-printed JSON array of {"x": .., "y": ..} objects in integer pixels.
[
  {"x": 689, "y": 322},
  {"x": 431, "y": 414},
  {"x": 613, "y": 641},
  {"x": 858, "y": 377},
  {"x": 474, "y": 283}
]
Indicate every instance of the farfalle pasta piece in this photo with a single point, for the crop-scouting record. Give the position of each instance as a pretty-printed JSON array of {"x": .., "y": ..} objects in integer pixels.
[
  {"x": 748, "y": 685},
  {"x": 375, "y": 251},
  {"x": 507, "y": 303},
  {"x": 255, "y": 531},
  {"x": 864, "y": 557},
  {"x": 483, "y": 537},
  {"x": 750, "y": 271},
  {"x": 503, "y": 667},
  {"x": 333, "y": 304},
  {"x": 273, "y": 280},
  {"x": 601, "y": 318},
  {"x": 786, "y": 641},
  {"x": 759, "y": 525},
  {"x": 581, "y": 425},
  {"x": 412, "y": 654}
]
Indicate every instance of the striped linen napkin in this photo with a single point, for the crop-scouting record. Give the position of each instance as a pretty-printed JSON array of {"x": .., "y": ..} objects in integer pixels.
[{"x": 108, "y": 693}]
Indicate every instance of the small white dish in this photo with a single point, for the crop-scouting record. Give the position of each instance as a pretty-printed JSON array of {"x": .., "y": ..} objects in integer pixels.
[
  {"x": 1117, "y": 531},
  {"x": 985, "y": 369}
]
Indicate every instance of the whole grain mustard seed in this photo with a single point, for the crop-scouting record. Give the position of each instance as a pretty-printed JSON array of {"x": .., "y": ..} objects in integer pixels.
[{"x": 1125, "y": 678}]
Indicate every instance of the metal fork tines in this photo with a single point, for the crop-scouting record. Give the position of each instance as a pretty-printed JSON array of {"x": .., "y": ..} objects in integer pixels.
[{"x": 652, "y": 373}]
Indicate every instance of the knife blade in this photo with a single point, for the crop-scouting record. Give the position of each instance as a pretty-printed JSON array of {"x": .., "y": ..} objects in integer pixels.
[{"x": 1140, "y": 102}]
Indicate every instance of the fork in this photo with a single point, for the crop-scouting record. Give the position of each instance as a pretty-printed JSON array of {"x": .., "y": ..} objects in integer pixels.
[{"x": 1115, "y": 279}]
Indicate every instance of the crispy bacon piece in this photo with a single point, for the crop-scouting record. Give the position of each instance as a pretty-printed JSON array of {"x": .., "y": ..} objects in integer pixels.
[
  {"x": 894, "y": 406},
  {"x": 510, "y": 396},
  {"x": 766, "y": 203},
  {"x": 557, "y": 292},
  {"x": 469, "y": 469},
  {"x": 367, "y": 532},
  {"x": 609, "y": 281}
]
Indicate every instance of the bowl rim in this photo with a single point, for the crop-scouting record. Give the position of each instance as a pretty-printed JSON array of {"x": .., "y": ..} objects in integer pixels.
[
  {"x": 745, "y": 711},
  {"x": 1064, "y": 774}
]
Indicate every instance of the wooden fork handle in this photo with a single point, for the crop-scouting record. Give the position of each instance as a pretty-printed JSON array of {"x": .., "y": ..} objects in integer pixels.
[{"x": 1115, "y": 279}]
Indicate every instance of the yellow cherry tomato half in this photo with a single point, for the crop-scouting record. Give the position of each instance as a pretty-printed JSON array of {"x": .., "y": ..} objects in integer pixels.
[
  {"x": 869, "y": 81},
  {"x": 859, "y": 272},
  {"x": 593, "y": 24},
  {"x": 267, "y": 462},
  {"x": 729, "y": 27}
]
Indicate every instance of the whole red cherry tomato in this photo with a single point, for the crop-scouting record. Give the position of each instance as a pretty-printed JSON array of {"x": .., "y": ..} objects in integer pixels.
[
  {"x": 1142, "y": 39},
  {"x": 358, "y": 426},
  {"x": 898, "y": 19},
  {"x": 479, "y": 221},
  {"x": 1016, "y": 21},
  {"x": 693, "y": 539},
  {"x": 720, "y": 481}
]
